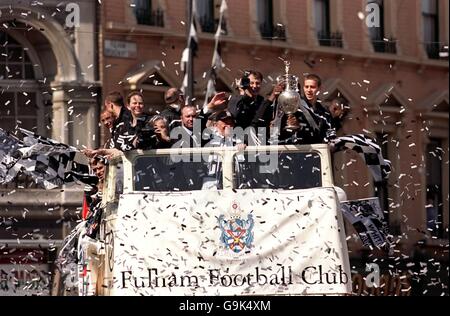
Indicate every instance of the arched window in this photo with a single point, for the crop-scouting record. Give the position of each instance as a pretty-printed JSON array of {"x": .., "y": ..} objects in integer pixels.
[{"x": 19, "y": 97}]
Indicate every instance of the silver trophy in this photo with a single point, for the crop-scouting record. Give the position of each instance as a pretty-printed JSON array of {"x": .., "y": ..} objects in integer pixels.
[{"x": 289, "y": 99}]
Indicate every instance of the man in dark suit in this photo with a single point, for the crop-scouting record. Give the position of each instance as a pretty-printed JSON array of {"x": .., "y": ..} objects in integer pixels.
[
  {"x": 188, "y": 134},
  {"x": 189, "y": 137}
]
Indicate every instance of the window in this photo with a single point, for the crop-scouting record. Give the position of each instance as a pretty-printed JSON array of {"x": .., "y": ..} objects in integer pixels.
[
  {"x": 292, "y": 171},
  {"x": 20, "y": 103},
  {"x": 380, "y": 43},
  {"x": 15, "y": 63},
  {"x": 267, "y": 27},
  {"x": 118, "y": 187},
  {"x": 208, "y": 12},
  {"x": 434, "y": 201},
  {"x": 146, "y": 15},
  {"x": 205, "y": 12},
  {"x": 322, "y": 24},
  {"x": 431, "y": 28},
  {"x": 178, "y": 174},
  {"x": 18, "y": 108}
]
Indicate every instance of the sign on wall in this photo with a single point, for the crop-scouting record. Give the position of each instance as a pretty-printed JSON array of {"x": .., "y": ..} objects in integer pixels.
[{"x": 120, "y": 49}]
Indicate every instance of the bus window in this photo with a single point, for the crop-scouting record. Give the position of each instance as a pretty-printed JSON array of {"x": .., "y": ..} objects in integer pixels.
[
  {"x": 162, "y": 173},
  {"x": 284, "y": 171}
]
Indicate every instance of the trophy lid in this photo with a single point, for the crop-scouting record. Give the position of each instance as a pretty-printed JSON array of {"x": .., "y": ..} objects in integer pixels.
[
  {"x": 287, "y": 66},
  {"x": 290, "y": 80}
]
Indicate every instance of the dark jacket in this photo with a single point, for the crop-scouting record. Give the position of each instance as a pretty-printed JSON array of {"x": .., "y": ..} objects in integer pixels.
[
  {"x": 309, "y": 132},
  {"x": 244, "y": 109},
  {"x": 121, "y": 130},
  {"x": 184, "y": 139},
  {"x": 323, "y": 113},
  {"x": 170, "y": 114}
]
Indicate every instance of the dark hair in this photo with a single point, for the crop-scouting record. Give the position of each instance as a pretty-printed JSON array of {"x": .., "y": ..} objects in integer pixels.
[
  {"x": 98, "y": 159},
  {"x": 221, "y": 115},
  {"x": 256, "y": 74},
  {"x": 115, "y": 97},
  {"x": 132, "y": 94},
  {"x": 314, "y": 77},
  {"x": 172, "y": 95}
]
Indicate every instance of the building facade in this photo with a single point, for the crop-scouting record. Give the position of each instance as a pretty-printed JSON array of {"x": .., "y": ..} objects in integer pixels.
[
  {"x": 389, "y": 59},
  {"x": 48, "y": 84}
]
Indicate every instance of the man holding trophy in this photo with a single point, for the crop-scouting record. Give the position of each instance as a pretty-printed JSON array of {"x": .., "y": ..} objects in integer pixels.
[{"x": 294, "y": 120}]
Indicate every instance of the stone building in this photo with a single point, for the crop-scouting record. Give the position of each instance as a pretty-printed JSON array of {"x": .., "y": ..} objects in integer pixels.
[{"x": 48, "y": 84}]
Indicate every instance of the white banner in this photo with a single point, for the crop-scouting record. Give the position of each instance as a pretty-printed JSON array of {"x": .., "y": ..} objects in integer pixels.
[{"x": 249, "y": 242}]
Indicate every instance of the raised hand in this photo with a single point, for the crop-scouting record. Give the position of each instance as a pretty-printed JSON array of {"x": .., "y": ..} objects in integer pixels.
[
  {"x": 276, "y": 91},
  {"x": 162, "y": 134},
  {"x": 218, "y": 102}
]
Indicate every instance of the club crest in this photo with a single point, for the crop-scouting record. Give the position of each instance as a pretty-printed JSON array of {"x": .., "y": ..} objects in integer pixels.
[{"x": 237, "y": 233}]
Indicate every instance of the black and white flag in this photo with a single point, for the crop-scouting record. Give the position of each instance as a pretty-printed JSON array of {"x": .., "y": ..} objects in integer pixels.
[
  {"x": 9, "y": 156},
  {"x": 81, "y": 173},
  {"x": 367, "y": 218},
  {"x": 46, "y": 160},
  {"x": 49, "y": 163},
  {"x": 189, "y": 53},
  {"x": 36, "y": 145},
  {"x": 368, "y": 149},
  {"x": 217, "y": 62}
]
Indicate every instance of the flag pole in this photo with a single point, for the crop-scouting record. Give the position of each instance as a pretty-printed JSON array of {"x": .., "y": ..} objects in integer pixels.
[{"x": 190, "y": 65}]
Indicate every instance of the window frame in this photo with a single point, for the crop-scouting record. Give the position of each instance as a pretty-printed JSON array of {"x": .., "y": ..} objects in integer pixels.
[
  {"x": 151, "y": 13},
  {"x": 432, "y": 45},
  {"x": 211, "y": 152},
  {"x": 439, "y": 195},
  {"x": 235, "y": 179}
]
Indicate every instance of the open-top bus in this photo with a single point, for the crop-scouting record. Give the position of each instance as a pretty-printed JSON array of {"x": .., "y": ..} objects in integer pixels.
[{"x": 218, "y": 221}]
